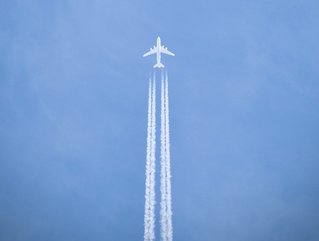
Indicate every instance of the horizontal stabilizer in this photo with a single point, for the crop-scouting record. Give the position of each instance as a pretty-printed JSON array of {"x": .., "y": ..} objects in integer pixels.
[{"x": 159, "y": 65}]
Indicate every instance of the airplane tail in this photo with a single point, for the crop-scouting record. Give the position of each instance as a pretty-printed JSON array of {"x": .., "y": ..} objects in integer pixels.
[{"x": 158, "y": 65}]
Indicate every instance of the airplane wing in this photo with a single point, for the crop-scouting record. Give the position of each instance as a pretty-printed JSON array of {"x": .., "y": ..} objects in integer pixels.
[
  {"x": 165, "y": 51},
  {"x": 152, "y": 51}
]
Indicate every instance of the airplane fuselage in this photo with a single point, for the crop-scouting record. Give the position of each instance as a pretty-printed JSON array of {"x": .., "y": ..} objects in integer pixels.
[{"x": 158, "y": 53}]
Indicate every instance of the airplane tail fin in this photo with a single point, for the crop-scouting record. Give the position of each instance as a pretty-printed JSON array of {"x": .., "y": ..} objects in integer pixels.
[{"x": 158, "y": 65}]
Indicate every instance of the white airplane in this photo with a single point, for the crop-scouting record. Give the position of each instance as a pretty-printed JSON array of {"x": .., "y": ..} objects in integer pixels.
[{"x": 158, "y": 50}]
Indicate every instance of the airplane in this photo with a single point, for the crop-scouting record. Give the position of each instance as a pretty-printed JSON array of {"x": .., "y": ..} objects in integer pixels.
[{"x": 158, "y": 50}]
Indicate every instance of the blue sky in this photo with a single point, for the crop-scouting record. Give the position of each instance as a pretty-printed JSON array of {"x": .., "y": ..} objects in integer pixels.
[{"x": 244, "y": 97}]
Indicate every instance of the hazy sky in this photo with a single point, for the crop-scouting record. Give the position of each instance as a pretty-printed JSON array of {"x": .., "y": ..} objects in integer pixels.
[{"x": 244, "y": 102}]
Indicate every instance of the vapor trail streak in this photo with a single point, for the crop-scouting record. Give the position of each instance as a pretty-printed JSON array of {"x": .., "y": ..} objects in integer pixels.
[
  {"x": 163, "y": 211},
  {"x": 168, "y": 166},
  {"x": 153, "y": 158},
  {"x": 149, "y": 215},
  {"x": 165, "y": 175}
]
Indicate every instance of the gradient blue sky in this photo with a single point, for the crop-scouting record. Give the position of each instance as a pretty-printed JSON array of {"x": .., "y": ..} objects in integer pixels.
[{"x": 244, "y": 101}]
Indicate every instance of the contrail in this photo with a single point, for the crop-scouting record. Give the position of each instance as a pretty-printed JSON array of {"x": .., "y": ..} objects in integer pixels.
[
  {"x": 168, "y": 166},
  {"x": 153, "y": 158},
  {"x": 149, "y": 215},
  {"x": 166, "y": 197},
  {"x": 163, "y": 211}
]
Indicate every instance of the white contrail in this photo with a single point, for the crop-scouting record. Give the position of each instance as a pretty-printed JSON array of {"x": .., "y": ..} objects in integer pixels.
[
  {"x": 168, "y": 166},
  {"x": 163, "y": 211},
  {"x": 149, "y": 215},
  {"x": 153, "y": 158},
  {"x": 166, "y": 198}
]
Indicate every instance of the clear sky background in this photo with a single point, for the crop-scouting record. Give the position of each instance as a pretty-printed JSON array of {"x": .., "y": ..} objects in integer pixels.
[{"x": 244, "y": 102}]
